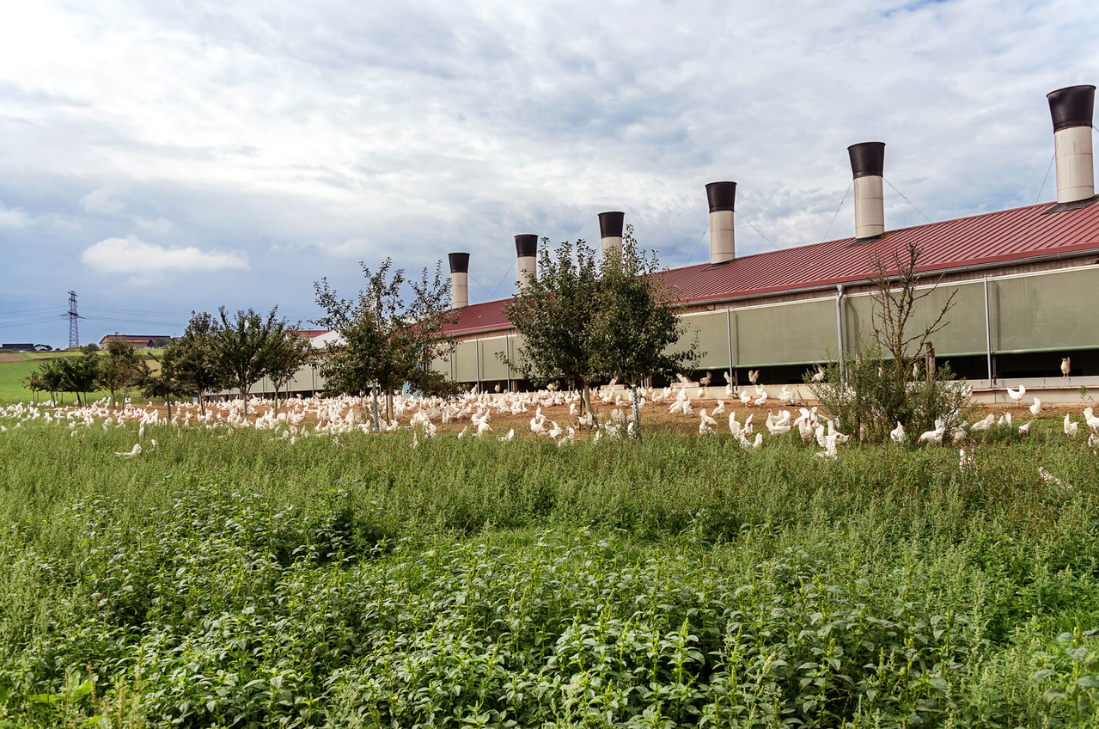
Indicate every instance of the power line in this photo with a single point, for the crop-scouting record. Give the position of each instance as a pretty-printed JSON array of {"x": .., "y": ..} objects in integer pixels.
[
  {"x": 761, "y": 235},
  {"x": 907, "y": 200},
  {"x": 1051, "y": 160},
  {"x": 697, "y": 243},
  {"x": 836, "y": 214}
]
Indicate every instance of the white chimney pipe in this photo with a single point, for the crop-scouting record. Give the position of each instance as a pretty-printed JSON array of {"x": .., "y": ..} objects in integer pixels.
[
  {"x": 459, "y": 280},
  {"x": 722, "y": 199},
  {"x": 610, "y": 231},
  {"x": 867, "y": 165},
  {"x": 1072, "y": 109},
  {"x": 526, "y": 250}
]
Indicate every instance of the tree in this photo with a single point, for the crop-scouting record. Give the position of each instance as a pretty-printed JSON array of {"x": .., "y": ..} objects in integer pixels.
[
  {"x": 287, "y": 353},
  {"x": 555, "y": 313},
  {"x": 80, "y": 373},
  {"x": 886, "y": 380},
  {"x": 35, "y": 383},
  {"x": 120, "y": 369},
  {"x": 240, "y": 348},
  {"x": 387, "y": 341},
  {"x": 637, "y": 322},
  {"x": 52, "y": 376},
  {"x": 190, "y": 359},
  {"x": 165, "y": 383}
]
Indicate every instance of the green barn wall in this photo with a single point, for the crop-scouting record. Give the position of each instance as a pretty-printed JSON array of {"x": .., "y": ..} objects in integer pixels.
[{"x": 797, "y": 333}]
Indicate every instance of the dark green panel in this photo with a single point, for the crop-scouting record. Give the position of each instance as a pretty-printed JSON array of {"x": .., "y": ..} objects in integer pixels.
[
  {"x": 1054, "y": 311},
  {"x": 786, "y": 334},
  {"x": 491, "y": 366},
  {"x": 712, "y": 330},
  {"x": 964, "y": 333},
  {"x": 442, "y": 364},
  {"x": 465, "y": 361}
]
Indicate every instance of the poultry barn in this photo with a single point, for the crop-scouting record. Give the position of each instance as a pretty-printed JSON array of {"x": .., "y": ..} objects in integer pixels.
[{"x": 1025, "y": 283}]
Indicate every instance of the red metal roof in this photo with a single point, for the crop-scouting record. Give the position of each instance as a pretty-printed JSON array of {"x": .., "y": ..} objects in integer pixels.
[{"x": 1006, "y": 236}]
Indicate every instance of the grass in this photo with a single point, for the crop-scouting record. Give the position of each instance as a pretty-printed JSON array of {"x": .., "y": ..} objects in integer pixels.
[
  {"x": 12, "y": 375},
  {"x": 222, "y": 580}
]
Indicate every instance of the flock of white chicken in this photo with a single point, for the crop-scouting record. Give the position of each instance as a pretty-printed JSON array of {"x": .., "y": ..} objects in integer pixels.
[{"x": 311, "y": 417}]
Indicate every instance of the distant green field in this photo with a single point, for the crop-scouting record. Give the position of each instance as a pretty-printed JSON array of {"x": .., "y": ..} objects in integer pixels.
[{"x": 12, "y": 375}]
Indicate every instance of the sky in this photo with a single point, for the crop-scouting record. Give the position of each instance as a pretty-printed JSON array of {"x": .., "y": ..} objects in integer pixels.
[{"x": 165, "y": 157}]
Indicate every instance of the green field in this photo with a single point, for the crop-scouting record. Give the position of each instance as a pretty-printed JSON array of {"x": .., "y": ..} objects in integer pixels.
[
  {"x": 236, "y": 580},
  {"x": 12, "y": 375}
]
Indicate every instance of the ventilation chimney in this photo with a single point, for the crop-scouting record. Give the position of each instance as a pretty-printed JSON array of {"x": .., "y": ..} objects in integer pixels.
[
  {"x": 526, "y": 248},
  {"x": 1072, "y": 109},
  {"x": 459, "y": 280},
  {"x": 867, "y": 165},
  {"x": 722, "y": 198},
  {"x": 610, "y": 231}
]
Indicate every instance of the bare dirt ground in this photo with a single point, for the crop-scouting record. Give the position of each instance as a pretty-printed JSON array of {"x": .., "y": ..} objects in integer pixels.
[{"x": 10, "y": 357}]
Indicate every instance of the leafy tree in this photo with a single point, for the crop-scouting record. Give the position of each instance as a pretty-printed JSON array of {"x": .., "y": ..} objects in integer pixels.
[
  {"x": 556, "y": 314},
  {"x": 81, "y": 373},
  {"x": 35, "y": 383},
  {"x": 887, "y": 379},
  {"x": 387, "y": 340},
  {"x": 285, "y": 356},
  {"x": 240, "y": 348},
  {"x": 637, "y": 321},
  {"x": 120, "y": 369},
  {"x": 189, "y": 360},
  {"x": 51, "y": 373},
  {"x": 167, "y": 382}
]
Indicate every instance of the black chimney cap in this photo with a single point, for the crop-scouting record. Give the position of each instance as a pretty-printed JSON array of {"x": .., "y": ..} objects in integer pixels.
[
  {"x": 526, "y": 246},
  {"x": 459, "y": 262},
  {"x": 867, "y": 159},
  {"x": 721, "y": 196},
  {"x": 610, "y": 224},
  {"x": 1072, "y": 106}
]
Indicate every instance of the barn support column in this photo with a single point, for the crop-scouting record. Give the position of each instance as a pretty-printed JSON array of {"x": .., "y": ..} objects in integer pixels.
[
  {"x": 839, "y": 325},
  {"x": 988, "y": 340}
]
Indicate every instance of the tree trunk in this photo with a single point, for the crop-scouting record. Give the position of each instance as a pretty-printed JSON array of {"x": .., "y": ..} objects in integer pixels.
[
  {"x": 244, "y": 397},
  {"x": 389, "y": 406},
  {"x": 636, "y": 414},
  {"x": 374, "y": 394},
  {"x": 169, "y": 399},
  {"x": 585, "y": 397}
]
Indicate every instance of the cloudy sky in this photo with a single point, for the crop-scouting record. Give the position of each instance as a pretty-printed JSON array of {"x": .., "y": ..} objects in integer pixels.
[{"x": 164, "y": 156}]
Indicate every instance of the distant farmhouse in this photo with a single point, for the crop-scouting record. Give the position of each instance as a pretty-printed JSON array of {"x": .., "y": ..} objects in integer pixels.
[
  {"x": 137, "y": 341},
  {"x": 24, "y": 347}
]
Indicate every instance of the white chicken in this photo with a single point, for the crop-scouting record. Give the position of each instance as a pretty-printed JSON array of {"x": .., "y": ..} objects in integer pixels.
[
  {"x": 982, "y": 425},
  {"x": 1036, "y": 407},
  {"x": 932, "y": 436},
  {"x": 1071, "y": 428},
  {"x": 753, "y": 376},
  {"x": 1016, "y": 395},
  {"x": 1025, "y": 428},
  {"x": 897, "y": 435},
  {"x": 135, "y": 452}
]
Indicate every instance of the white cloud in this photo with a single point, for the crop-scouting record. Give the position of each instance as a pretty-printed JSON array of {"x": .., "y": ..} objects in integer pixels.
[
  {"x": 14, "y": 218},
  {"x": 101, "y": 201},
  {"x": 133, "y": 255}
]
